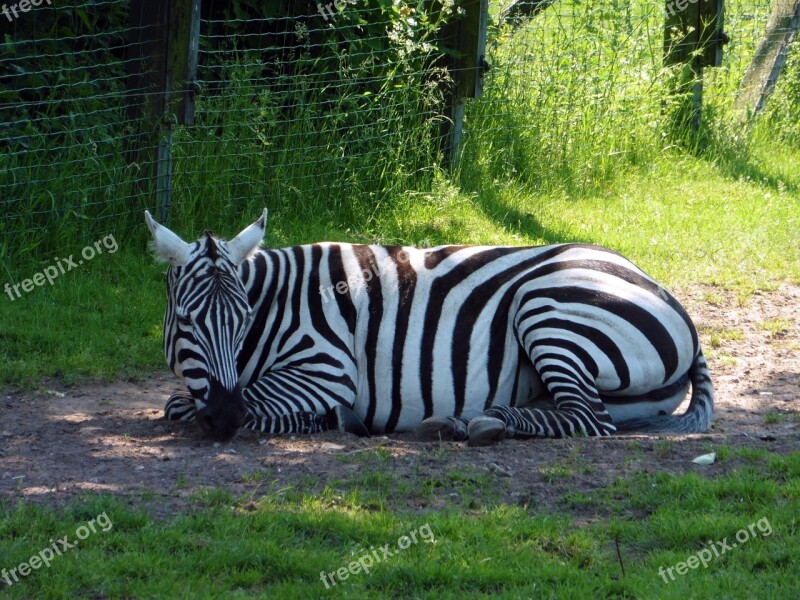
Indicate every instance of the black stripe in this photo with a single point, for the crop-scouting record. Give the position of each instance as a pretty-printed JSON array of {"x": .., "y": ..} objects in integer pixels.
[
  {"x": 585, "y": 358},
  {"x": 406, "y": 286},
  {"x": 319, "y": 321},
  {"x": 273, "y": 299},
  {"x": 305, "y": 343},
  {"x": 365, "y": 258},
  {"x": 434, "y": 257},
  {"x": 294, "y": 281},
  {"x": 594, "y": 335},
  {"x": 337, "y": 273}
]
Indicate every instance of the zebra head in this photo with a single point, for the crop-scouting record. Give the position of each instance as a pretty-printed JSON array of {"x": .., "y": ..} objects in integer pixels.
[{"x": 207, "y": 317}]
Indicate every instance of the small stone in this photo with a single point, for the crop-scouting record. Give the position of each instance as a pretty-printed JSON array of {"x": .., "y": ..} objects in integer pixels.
[{"x": 331, "y": 447}]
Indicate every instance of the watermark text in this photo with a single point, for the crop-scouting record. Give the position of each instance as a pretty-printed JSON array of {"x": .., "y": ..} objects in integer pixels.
[
  {"x": 22, "y": 6},
  {"x": 715, "y": 550},
  {"x": 375, "y": 555},
  {"x": 56, "y": 548},
  {"x": 61, "y": 266}
]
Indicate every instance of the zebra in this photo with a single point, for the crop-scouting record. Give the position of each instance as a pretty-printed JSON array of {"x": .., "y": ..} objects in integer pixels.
[{"x": 475, "y": 343}]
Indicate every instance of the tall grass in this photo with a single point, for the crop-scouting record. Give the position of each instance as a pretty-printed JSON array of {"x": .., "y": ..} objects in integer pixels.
[
  {"x": 574, "y": 140},
  {"x": 346, "y": 125},
  {"x": 578, "y": 96},
  {"x": 306, "y": 152}
]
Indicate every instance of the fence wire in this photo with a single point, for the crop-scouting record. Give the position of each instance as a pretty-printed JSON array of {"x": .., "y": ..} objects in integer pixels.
[{"x": 328, "y": 107}]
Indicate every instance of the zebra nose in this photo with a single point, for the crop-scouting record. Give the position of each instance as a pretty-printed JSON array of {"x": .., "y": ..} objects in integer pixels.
[
  {"x": 223, "y": 414},
  {"x": 220, "y": 423}
]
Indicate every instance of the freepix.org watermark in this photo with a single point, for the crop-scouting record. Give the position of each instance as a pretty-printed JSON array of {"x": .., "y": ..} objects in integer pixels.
[
  {"x": 61, "y": 266},
  {"x": 56, "y": 548},
  {"x": 715, "y": 550},
  {"x": 366, "y": 562},
  {"x": 337, "y": 4},
  {"x": 677, "y": 6},
  {"x": 362, "y": 278},
  {"x": 21, "y": 6}
]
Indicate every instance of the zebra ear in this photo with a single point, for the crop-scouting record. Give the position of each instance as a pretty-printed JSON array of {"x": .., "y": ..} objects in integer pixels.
[
  {"x": 167, "y": 245},
  {"x": 247, "y": 242}
]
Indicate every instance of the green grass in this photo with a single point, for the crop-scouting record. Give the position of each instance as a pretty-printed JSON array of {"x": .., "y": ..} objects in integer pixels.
[
  {"x": 775, "y": 327},
  {"x": 278, "y": 544}
]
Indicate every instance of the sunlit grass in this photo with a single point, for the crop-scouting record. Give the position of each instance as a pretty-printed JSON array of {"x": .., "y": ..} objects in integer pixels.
[{"x": 279, "y": 543}]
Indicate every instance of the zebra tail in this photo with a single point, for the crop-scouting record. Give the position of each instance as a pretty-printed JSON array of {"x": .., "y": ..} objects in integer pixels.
[{"x": 697, "y": 417}]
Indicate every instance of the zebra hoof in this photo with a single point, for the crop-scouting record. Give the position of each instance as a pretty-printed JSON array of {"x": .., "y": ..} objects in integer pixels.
[
  {"x": 447, "y": 429},
  {"x": 345, "y": 420},
  {"x": 484, "y": 430}
]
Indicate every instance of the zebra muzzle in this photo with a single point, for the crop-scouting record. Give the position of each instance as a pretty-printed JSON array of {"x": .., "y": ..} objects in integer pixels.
[{"x": 223, "y": 413}]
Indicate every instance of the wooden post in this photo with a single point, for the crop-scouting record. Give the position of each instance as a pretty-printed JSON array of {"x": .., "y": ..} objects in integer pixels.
[
  {"x": 769, "y": 58},
  {"x": 519, "y": 10},
  {"x": 182, "y": 46},
  {"x": 693, "y": 30},
  {"x": 145, "y": 100},
  {"x": 162, "y": 68},
  {"x": 466, "y": 38},
  {"x": 693, "y": 36}
]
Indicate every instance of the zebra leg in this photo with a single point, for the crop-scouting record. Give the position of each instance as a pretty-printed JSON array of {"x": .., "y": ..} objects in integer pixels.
[
  {"x": 578, "y": 411},
  {"x": 434, "y": 429},
  {"x": 340, "y": 418},
  {"x": 455, "y": 429},
  {"x": 503, "y": 422},
  {"x": 298, "y": 422},
  {"x": 180, "y": 407}
]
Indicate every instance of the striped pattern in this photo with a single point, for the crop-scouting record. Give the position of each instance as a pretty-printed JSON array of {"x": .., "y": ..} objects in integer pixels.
[{"x": 399, "y": 335}]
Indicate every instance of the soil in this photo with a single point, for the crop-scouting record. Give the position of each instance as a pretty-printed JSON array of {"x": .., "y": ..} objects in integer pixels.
[{"x": 62, "y": 442}]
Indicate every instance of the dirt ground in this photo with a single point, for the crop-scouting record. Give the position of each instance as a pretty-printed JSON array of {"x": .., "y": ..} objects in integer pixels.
[{"x": 61, "y": 442}]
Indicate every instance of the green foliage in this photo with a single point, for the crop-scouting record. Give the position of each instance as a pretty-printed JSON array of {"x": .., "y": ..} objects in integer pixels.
[
  {"x": 783, "y": 108},
  {"x": 61, "y": 169}
]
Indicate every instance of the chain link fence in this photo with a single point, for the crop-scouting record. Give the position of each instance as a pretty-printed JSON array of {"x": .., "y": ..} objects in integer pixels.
[{"x": 330, "y": 103}]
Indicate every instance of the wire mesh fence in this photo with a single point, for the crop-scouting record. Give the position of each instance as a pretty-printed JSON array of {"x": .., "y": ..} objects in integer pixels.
[
  {"x": 328, "y": 104},
  {"x": 62, "y": 123},
  {"x": 299, "y": 107}
]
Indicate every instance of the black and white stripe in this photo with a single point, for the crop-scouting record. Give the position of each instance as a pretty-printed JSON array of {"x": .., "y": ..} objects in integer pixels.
[{"x": 458, "y": 342}]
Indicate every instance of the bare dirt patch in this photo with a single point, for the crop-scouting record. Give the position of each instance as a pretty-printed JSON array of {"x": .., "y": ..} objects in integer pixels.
[{"x": 62, "y": 442}]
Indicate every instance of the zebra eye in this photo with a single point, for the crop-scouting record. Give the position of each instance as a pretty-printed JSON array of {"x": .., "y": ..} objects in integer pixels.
[{"x": 184, "y": 320}]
